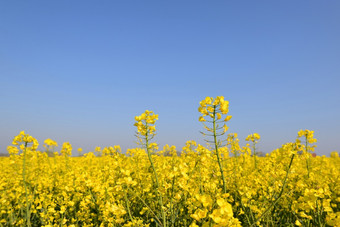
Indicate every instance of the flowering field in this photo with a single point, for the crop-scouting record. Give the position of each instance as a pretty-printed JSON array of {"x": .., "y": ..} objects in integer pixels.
[{"x": 218, "y": 184}]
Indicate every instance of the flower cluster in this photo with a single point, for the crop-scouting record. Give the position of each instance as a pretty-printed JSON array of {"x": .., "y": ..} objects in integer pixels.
[
  {"x": 51, "y": 142},
  {"x": 66, "y": 150},
  {"x": 23, "y": 140},
  {"x": 214, "y": 108},
  {"x": 145, "y": 123},
  {"x": 308, "y": 134},
  {"x": 253, "y": 137}
]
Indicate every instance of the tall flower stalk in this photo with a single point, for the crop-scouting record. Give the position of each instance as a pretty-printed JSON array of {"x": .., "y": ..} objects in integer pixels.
[
  {"x": 215, "y": 109},
  {"x": 146, "y": 129},
  {"x": 66, "y": 151},
  {"x": 254, "y": 138},
  {"x": 23, "y": 140},
  {"x": 309, "y": 139}
]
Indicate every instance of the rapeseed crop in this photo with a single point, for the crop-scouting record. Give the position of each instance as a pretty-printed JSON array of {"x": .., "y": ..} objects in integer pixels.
[{"x": 217, "y": 184}]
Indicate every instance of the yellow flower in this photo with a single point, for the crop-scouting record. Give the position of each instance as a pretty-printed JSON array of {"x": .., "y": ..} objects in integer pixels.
[
  {"x": 208, "y": 100},
  {"x": 51, "y": 142},
  {"x": 12, "y": 150},
  {"x": 199, "y": 214},
  {"x": 228, "y": 118},
  {"x": 210, "y": 109},
  {"x": 201, "y": 118},
  {"x": 256, "y": 136},
  {"x": 224, "y": 107},
  {"x": 193, "y": 224},
  {"x": 66, "y": 149},
  {"x": 225, "y": 128},
  {"x": 334, "y": 154},
  {"x": 253, "y": 137},
  {"x": 219, "y": 116},
  {"x": 145, "y": 122}
]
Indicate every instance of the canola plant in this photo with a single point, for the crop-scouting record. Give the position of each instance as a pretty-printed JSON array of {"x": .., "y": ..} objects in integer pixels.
[{"x": 220, "y": 184}]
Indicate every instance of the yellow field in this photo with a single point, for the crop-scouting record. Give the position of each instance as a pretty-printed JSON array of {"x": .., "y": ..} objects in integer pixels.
[{"x": 217, "y": 185}]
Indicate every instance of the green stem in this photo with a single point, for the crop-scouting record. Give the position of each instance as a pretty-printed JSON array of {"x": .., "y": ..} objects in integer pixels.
[
  {"x": 160, "y": 199},
  {"x": 280, "y": 194},
  {"x": 307, "y": 161},
  {"x": 254, "y": 149},
  {"x": 28, "y": 214},
  {"x": 243, "y": 207},
  {"x": 217, "y": 153},
  {"x": 156, "y": 217},
  {"x": 127, "y": 204},
  {"x": 171, "y": 201}
]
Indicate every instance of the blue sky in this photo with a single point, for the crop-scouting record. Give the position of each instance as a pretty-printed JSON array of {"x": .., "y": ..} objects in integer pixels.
[{"x": 79, "y": 71}]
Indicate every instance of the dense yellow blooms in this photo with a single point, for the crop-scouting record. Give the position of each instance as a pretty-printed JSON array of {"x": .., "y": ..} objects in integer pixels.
[
  {"x": 210, "y": 106},
  {"x": 119, "y": 189},
  {"x": 253, "y": 137},
  {"x": 66, "y": 149},
  {"x": 334, "y": 154},
  {"x": 51, "y": 142},
  {"x": 23, "y": 140},
  {"x": 144, "y": 123},
  {"x": 308, "y": 134},
  {"x": 90, "y": 190}
]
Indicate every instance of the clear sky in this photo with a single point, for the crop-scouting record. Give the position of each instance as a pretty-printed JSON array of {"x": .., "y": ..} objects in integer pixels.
[{"x": 79, "y": 71}]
